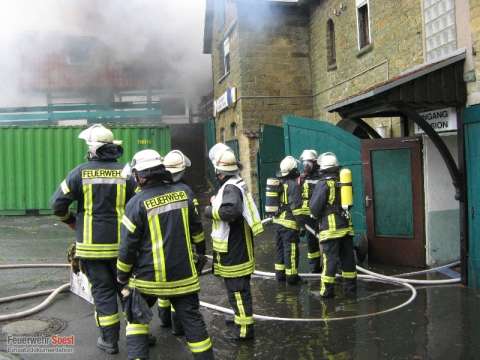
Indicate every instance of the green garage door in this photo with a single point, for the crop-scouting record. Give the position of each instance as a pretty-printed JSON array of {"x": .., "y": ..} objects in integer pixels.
[{"x": 304, "y": 133}]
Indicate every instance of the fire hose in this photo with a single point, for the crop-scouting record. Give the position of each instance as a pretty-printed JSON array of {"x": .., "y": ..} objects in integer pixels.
[{"x": 371, "y": 276}]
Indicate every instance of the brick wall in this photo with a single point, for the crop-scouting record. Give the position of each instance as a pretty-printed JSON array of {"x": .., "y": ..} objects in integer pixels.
[{"x": 397, "y": 45}]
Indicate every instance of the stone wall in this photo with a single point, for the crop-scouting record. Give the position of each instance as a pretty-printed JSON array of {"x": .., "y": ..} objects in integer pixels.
[{"x": 396, "y": 45}]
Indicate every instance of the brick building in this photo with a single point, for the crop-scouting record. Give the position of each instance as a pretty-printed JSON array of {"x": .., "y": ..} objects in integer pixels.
[{"x": 385, "y": 66}]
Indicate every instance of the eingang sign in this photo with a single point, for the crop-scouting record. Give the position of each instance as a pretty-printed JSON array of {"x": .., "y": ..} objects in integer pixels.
[{"x": 440, "y": 120}]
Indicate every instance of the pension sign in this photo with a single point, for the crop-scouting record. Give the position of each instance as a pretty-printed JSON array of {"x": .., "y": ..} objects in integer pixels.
[{"x": 440, "y": 120}]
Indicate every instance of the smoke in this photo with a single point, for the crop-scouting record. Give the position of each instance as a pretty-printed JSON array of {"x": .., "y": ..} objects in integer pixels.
[{"x": 159, "y": 42}]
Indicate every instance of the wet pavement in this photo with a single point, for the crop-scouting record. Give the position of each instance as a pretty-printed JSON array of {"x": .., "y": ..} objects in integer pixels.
[{"x": 442, "y": 323}]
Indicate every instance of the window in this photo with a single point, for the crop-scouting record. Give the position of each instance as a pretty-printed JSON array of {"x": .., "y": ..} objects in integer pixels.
[
  {"x": 363, "y": 23},
  {"x": 440, "y": 28},
  {"x": 226, "y": 56},
  {"x": 233, "y": 129},
  {"x": 222, "y": 135},
  {"x": 331, "y": 56}
]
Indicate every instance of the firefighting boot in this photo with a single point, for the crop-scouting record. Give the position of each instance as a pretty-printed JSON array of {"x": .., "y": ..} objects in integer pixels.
[
  {"x": 315, "y": 266},
  {"x": 108, "y": 340},
  {"x": 327, "y": 290},
  {"x": 293, "y": 279},
  {"x": 280, "y": 275},
  {"x": 350, "y": 287},
  {"x": 109, "y": 348},
  {"x": 177, "y": 328}
]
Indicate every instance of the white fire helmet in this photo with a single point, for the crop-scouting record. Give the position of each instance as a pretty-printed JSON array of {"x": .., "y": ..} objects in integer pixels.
[
  {"x": 223, "y": 159},
  {"x": 287, "y": 165},
  {"x": 176, "y": 161},
  {"x": 146, "y": 159},
  {"x": 309, "y": 155},
  {"x": 98, "y": 135},
  {"x": 327, "y": 160}
]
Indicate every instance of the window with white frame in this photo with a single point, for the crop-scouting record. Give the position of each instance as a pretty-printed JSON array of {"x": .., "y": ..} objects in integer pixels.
[
  {"x": 363, "y": 23},
  {"x": 440, "y": 28},
  {"x": 226, "y": 55}
]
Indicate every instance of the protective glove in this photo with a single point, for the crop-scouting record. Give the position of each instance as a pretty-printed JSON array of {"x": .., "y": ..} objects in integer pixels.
[
  {"x": 200, "y": 261},
  {"x": 72, "y": 259}
]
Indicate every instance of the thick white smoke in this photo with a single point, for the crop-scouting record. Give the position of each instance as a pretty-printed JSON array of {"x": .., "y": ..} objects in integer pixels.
[{"x": 163, "y": 36}]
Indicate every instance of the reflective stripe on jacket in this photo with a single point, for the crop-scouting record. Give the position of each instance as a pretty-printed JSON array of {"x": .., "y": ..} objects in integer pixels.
[
  {"x": 101, "y": 194},
  {"x": 158, "y": 232},
  {"x": 290, "y": 204},
  {"x": 325, "y": 205}
]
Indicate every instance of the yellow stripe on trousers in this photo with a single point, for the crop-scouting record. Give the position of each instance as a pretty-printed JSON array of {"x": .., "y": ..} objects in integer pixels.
[
  {"x": 157, "y": 248},
  {"x": 87, "y": 213},
  {"x": 120, "y": 207},
  {"x": 241, "y": 310}
]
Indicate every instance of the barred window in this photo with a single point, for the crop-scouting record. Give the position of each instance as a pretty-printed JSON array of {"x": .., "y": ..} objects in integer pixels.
[{"x": 331, "y": 55}]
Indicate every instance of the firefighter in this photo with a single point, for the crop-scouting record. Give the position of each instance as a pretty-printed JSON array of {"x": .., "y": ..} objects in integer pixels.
[
  {"x": 176, "y": 163},
  {"x": 288, "y": 221},
  {"x": 307, "y": 180},
  {"x": 155, "y": 256},
  {"x": 335, "y": 226},
  {"x": 101, "y": 193},
  {"x": 235, "y": 220}
]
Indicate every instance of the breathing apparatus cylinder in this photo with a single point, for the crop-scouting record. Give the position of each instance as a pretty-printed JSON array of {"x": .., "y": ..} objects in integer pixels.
[
  {"x": 272, "y": 202},
  {"x": 346, "y": 189}
]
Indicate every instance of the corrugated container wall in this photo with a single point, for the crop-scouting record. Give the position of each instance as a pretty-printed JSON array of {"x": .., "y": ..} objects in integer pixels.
[{"x": 36, "y": 159}]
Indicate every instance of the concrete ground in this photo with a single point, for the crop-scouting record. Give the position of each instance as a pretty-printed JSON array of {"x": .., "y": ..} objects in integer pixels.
[{"x": 442, "y": 323}]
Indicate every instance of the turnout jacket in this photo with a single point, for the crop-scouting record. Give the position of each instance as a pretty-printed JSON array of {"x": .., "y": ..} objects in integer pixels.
[
  {"x": 291, "y": 202},
  {"x": 101, "y": 194},
  {"x": 239, "y": 259},
  {"x": 325, "y": 205},
  {"x": 307, "y": 184},
  {"x": 159, "y": 228}
]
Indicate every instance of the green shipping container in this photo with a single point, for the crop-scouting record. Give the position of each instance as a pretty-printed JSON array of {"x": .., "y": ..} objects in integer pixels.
[{"x": 35, "y": 159}]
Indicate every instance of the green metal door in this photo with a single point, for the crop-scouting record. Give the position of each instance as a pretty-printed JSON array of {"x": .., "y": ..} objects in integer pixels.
[
  {"x": 472, "y": 160},
  {"x": 304, "y": 133},
  {"x": 270, "y": 153},
  {"x": 393, "y": 177},
  {"x": 36, "y": 158}
]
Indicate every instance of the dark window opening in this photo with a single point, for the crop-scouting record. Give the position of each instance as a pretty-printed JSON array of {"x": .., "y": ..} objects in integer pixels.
[
  {"x": 331, "y": 54},
  {"x": 233, "y": 129},
  {"x": 363, "y": 26}
]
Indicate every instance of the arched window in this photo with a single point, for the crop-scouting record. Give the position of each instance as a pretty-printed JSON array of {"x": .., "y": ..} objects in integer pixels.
[
  {"x": 331, "y": 55},
  {"x": 233, "y": 129}
]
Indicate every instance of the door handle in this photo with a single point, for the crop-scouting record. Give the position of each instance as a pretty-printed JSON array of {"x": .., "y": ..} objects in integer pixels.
[{"x": 368, "y": 201}]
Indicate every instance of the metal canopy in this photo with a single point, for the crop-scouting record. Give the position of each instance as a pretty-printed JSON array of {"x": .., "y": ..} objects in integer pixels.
[{"x": 426, "y": 87}]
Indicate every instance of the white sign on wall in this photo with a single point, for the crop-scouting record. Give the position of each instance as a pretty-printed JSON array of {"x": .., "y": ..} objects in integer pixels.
[
  {"x": 440, "y": 120},
  {"x": 228, "y": 98}
]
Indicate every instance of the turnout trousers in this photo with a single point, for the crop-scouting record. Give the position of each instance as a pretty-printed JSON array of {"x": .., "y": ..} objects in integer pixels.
[
  {"x": 313, "y": 244},
  {"x": 168, "y": 316},
  {"x": 240, "y": 298},
  {"x": 335, "y": 251},
  {"x": 286, "y": 265},
  {"x": 102, "y": 275},
  {"x": 188, "y": 314}
]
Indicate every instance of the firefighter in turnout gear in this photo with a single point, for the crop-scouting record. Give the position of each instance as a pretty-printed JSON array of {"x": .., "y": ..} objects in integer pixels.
[
  {"x": 288, "y": 222},
  {"x": 176, "y": 163},
  {"x": 308, "y": 179},
  {"x": 235, "y": 220},
  {"x": 101, "y": 193},
  {"x": 156, "y": 256},
  {"x": 335, "y": 228}
]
